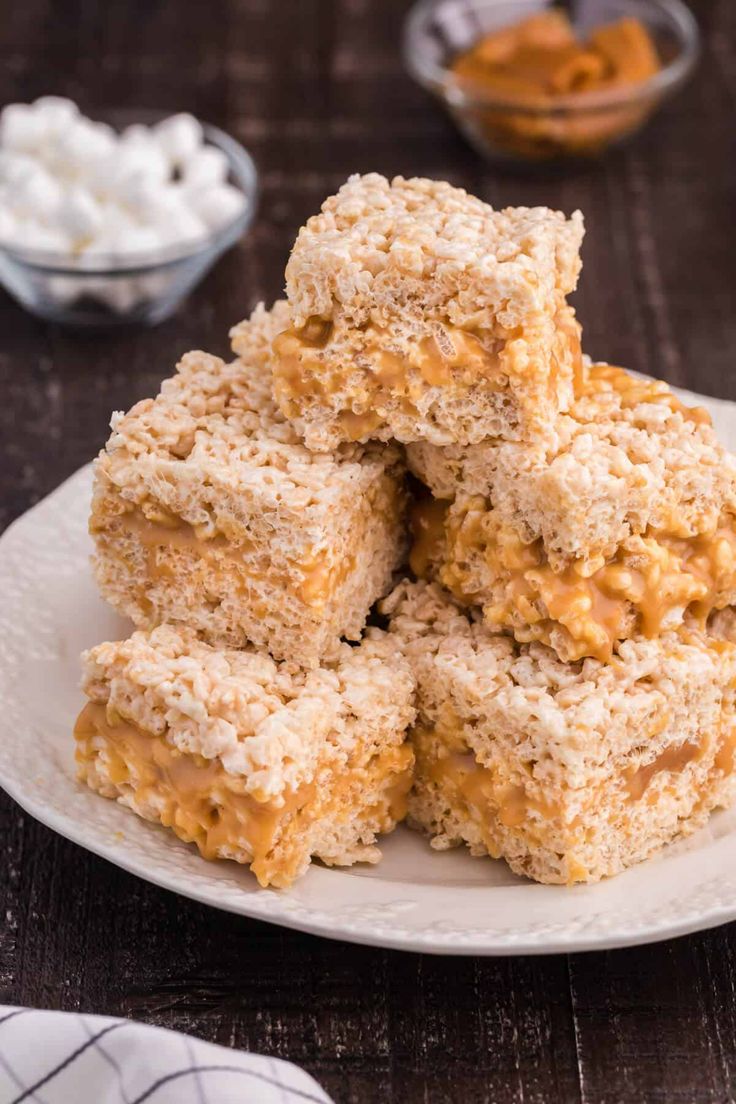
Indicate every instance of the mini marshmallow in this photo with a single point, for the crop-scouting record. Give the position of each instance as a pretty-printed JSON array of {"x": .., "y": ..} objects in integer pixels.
[
  {"x": 31, "y": 234},
  {"x": 131, "y": 165},
  {"x": 21, "y": 128},
  {"x": 132, "y": 239},
  {"x": 218, "y": 205},
  {"x": 101, "y": 290},
  {"x": 107, "y": 241},
  {"x": 65, "y": 289},
  {"x": 39, "y": 195},
  {"x": 181, "y": 227},
  {"x": 16, "y": 168},
  {"x": 121, "y": 294},
  {"x": 208, "y": 166},
  {"x": 155, "y": 284},
  {"x": 137, "y": 134},
  {"x": 151, "y": 202},
  {"x": 179, "y": 137},
  {"x": 79, "y": 215},
  {"x": 145, "y": 197},
  {"x": 56, "y": 113},
  {"x": 79, "y": 147},
  {"x": 101, "y": 177}
]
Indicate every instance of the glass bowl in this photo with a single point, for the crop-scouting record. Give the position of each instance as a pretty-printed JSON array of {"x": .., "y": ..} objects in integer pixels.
[
  {"x": 576, "y": 125},
  {"x": 144, "y": 288}
]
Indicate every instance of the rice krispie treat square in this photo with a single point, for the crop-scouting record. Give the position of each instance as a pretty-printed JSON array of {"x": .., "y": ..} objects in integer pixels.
[
  {"x": 569, "y": 771},
  {"x": 418, "y": 312},
  {"x": 208, "y": 511},
  {"x": 621, "y": 522},
  {"x": 253, "y": 760}
]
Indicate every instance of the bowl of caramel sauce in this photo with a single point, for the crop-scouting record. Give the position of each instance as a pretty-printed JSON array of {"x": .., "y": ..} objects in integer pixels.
[{"x": 532, "y": 82}]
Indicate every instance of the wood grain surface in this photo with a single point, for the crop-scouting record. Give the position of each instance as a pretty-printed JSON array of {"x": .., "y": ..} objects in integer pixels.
[{"x": 316, "y": 89}]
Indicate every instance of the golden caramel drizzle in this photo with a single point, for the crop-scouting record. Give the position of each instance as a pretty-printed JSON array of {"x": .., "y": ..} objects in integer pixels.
[
  {"x": 725, "y": 759},
  {"x": 447, "y": 357},
  {"x": 195, "y": 797},
  {"x": 358, "y": 427},
  {"x": 644, "y": 582},
  {"x": 569, "y": 332},
  {"x": 633, "y": 391},
  {"x": 397, "y": 794},
  {"x": 428, "y": 529},
  {"x": 484, "y": 794},
  {"x": 672, "y": 760},
  {"x": 319, "y": 580}
]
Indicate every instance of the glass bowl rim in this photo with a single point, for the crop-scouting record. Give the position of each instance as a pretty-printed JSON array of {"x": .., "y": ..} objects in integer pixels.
[
  {"x": 462, "y": 94},
  {"x": 243, "y": 168}
]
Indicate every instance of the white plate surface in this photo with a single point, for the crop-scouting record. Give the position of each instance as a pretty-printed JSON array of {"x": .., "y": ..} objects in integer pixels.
[{"x": 415, "y": 899}]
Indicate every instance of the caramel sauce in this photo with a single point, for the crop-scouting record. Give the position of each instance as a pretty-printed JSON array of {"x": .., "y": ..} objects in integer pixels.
[
  {"x": 725, "y": 758},
  {"x": 449, "y": 356},
  {"x": 359, "y": 426},
  {"x": 177, "y": 534},
  {"x": 390, "y": 369},
  {"x": 319, "y": 580},
  {"x": 428, "y": 528},
  {"x": 200, "y": 801},
  {"x": 570, "y": 331},
  {"x": 445, "y": 356},
  {"x": 450, "y": 352},
  {"x": 482, "y": 793},
  {"x": 539, "y": 60},
  {"x": 648, "y": 578},
  {"x": 398, "y": 792},
  {"x": 316, "y": 332},
  {"x": 672, "y": 760},
  {"x": 627, "y": 50},
  {"x": 633, "y": 391}
]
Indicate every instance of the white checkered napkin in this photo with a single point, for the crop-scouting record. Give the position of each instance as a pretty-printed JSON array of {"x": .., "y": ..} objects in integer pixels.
[{"x": 70, "y": 1058}]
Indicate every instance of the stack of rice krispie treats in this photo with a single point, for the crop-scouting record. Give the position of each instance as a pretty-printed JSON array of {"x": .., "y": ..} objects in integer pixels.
[
  {"x": 554, "y": 680},
  {"x": 238, "y": 715}
]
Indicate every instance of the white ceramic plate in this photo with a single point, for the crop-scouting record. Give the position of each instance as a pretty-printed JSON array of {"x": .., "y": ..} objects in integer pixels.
[{"x": 415, "y": 899}]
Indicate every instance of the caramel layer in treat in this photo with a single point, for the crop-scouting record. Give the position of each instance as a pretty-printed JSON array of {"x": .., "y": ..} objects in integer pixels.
[
  {"x": 319, "y": 580},
  {"x": 651, "y": 578},
  {"x": 461, "y": 773},
  {"x": 672, "y": 759},
  {"x": 434, "y": 358},
  {"x": 447, "y": 357},
  {"x": 495, "y": 802},
  {"x": 194, "y": 796},
  {"x": 205, "y": 804}
]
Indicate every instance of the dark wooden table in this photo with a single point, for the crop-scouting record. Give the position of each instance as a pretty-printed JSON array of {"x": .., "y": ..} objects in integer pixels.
[{"x": 316, "y": 89}]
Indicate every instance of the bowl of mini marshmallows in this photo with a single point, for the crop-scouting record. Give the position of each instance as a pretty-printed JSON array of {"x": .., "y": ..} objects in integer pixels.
[{"x": 103, "y": 225}]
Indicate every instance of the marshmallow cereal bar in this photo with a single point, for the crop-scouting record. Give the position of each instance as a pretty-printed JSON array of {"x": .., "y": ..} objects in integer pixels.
[
  {"x": 208, "y": 511},
  {"x": 620, "y": 522},
  {"x": 418, "y": 312},
  {"x": 257, "y": 761},
  {"x": 569, "y": 771}
]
